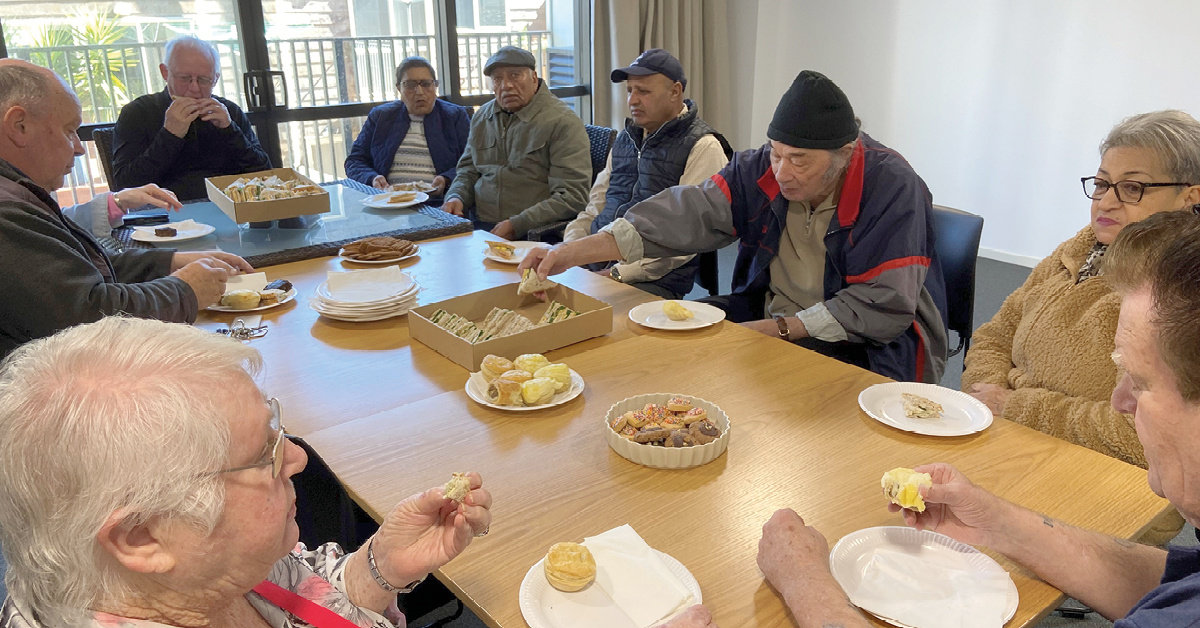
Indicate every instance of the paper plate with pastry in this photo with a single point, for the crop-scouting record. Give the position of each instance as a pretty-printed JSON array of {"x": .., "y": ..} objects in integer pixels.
[
  {"x": 676, "y": 315},
  {"x": 500, "y": 251},
  {"x": 172, "y": 232},
  {"x": 667, "y": 431},
  {"x": 395, "y": 200},
  {"x": 529, "y": 382},
  {"x": 413, "y": 186},
  {"x": 252, "y": 293},
  {"x": 925, "y": 409},
  {"x": 611, "y": 580},
  {"x": 911, "y": 578}
]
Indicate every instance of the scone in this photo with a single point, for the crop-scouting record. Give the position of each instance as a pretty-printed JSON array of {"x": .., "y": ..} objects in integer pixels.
[
  {"x": 538, "y": 391},
  {"x": 569, "y": 566},
  {"x": 504, "y": 392},
  {"x": 557, "y": 372},
  {"x": 494, "y": 366},
  {"x": 241, "y": 299},
  {"x": 531, "y": 362},
  {"x": 918, "y": 407},
  {"x": 457, "y": 488},
  {"x": 903, "y": 487}
]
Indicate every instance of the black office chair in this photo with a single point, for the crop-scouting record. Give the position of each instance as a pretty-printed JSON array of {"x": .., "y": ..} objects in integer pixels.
[
  {"x": 601, "y": 140},
  {"x": 957, "y": 243},
  {"x": 103, "y": 137}
]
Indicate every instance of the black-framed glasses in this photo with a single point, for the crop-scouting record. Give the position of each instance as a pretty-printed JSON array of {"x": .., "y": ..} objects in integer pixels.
[
  {"x": 412, "y": 86},
  {"x": 276, "y": 461},
  {"x": 1127, "y": 191}
]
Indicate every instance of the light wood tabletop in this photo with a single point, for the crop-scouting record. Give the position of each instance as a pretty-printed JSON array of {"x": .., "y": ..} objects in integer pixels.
[{"x": 391, "y": 419}]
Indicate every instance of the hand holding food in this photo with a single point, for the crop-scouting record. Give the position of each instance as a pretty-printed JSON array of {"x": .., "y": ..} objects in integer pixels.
[
  {"x": 569, "y": 566},
  {"x": 206, "y": 277},
  {"x": 532, "y": 284},
  {"x": 457, "y": 487},
  {"x": 903, "y": 487}
]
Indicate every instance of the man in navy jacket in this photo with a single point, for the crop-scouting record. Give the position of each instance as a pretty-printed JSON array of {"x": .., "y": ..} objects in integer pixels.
[{"x": 417, "y": 138}]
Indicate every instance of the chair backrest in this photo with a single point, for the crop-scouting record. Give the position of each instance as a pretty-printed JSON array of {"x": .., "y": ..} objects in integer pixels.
[
  {"x": 708, "y": 276},
  {"x": 103, "y": 137},
  {"x": 956, "y": 240},
  {"x": 601, "y": 138}
]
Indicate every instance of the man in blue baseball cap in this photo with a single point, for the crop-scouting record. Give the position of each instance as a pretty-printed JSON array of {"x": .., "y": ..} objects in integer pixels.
[{"x": 665, "y": 143}]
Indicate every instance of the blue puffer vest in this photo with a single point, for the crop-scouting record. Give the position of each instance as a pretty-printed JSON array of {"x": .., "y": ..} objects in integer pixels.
[{"x": 638, "y": 174}]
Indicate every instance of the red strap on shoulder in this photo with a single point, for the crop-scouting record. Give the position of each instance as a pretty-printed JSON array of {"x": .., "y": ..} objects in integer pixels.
[{"x": 305, "y": 609}]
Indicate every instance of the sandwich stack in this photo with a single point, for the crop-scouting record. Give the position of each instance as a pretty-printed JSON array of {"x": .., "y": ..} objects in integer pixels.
[{"x": 360, "y": 296}]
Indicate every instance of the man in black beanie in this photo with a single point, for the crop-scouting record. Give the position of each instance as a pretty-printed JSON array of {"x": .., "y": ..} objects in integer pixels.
[{"x": 836, "y": 239}]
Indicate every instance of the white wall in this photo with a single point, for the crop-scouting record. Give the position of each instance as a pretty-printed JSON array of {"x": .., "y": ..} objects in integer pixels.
[{"x": 998, "y": 104}]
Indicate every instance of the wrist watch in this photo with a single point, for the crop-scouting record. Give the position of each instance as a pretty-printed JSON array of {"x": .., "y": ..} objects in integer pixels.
[
  {"x": 615, "y": 274},
  {"x": 784, "y": 332}
]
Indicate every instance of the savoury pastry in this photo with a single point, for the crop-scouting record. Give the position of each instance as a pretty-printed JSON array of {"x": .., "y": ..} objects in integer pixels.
[
  {"x": 457, "y": 488},
  {"x": 504, "y": 392},
  {"x": 538, "y": 391},
  {"x": 903, "y": 487},
  {"x": 557, "y": 372},
  {"x": 569, "y": 566},
  {"x": 517, "y": 375},
  {"x": 494, "y": 366},
  {"x": 531, "y": 362}
]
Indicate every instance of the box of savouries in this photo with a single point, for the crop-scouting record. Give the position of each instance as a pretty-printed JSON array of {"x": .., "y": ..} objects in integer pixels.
[{"x": 499, "y": 321}]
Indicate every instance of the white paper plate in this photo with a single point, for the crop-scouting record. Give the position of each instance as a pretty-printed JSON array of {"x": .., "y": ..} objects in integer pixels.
[
  {"x": 476, "y": 388},
  {"x": 345, "y": 258},
  {"x": 186, "y": 234},
  {"x": 412, "y": 186},
  {"x": 287, "y": 296},
  {"x": 543, "y": 606},
  {"x": 354, "y": 317},
  {"x": 849, "y": 558},
  {"x": 380, "y": 201},
  {"x": 666, "y": 457},
  {"x": 520, "y": 249},
  {"x": 406, "y": 286},
  {"x": 962, "y": 414},
  {"x": 651, "y": 315}
]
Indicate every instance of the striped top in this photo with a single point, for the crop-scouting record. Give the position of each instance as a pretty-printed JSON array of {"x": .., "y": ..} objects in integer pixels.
[{"x": 412, "y": 161}]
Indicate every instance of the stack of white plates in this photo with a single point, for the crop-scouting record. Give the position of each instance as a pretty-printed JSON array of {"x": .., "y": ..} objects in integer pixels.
[{"x": 360, "y": 296}]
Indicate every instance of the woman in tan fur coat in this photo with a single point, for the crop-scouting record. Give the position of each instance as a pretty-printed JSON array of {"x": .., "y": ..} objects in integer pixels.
[{"x": 1044, "y": 359}]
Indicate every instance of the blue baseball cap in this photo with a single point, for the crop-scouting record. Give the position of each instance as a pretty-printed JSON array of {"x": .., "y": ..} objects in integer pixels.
[{"x": 653, "y": 61}]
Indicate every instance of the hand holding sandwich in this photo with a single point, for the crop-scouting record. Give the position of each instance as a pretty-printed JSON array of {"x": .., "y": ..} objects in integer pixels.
[{"x": 180, "y": 114}]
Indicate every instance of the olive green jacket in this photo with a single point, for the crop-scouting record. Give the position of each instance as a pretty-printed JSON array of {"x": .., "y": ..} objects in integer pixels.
[{"x": 535, "y": 172}]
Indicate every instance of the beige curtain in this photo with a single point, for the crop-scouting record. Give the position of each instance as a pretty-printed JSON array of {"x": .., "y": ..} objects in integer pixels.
[{"x": 695, "y": 31}]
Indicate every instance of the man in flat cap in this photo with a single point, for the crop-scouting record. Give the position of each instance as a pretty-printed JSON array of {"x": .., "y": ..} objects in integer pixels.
[
  {"x": 527, "y": 161},
  {"x": 665, "y": 143},
  {"x": 836, "y": 239}
]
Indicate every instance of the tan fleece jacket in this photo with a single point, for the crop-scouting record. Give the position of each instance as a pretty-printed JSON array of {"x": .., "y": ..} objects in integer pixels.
[{"x": 1051, "y": 343}]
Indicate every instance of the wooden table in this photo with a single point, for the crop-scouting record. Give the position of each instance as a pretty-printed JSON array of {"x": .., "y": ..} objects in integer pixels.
[{"x": 391, "y": 418}]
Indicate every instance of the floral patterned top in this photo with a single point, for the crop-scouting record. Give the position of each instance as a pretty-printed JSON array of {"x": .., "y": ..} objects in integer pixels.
[{"x": 316, "y": 575}]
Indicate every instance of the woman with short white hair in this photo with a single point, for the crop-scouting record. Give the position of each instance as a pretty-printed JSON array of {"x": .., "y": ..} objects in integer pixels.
[{"x": 145, "y": 480}]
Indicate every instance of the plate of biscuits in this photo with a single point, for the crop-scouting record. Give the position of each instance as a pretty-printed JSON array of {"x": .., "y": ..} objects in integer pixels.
[
  {"x": 667, "y": 431},
  {"x": 925, "y": 409},
  {"x": 528, "y": 382},
  {"x": 395, "y": 200},
  {"x": 378, "y": 250}
]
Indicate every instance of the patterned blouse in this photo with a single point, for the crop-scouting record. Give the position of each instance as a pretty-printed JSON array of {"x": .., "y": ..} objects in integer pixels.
[{"x": 316, "y": 575}]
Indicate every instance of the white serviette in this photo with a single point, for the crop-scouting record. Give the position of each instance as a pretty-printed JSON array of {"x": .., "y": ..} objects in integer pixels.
[
  {"x": 635, "y": 578},
  {"x": 931, "y": 590},
  {"x": 249, "y": 281},
  {"x": 186, "y": 225},
  {"x": 357, "y": 286}
]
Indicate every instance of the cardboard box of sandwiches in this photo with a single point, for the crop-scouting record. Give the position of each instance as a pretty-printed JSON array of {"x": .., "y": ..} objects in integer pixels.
[
  {"x": 267, "y": 195},
  {"x": 499, "y": 321}
]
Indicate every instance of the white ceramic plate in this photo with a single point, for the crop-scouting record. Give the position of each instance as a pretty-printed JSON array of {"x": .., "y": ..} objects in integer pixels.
[
  {"x": 186, "y": 234},
  {"x": 476, "y": 388},
  {"x": 543, "y": 606},
  {"x": 520, "y": 249},
  {"x": 345, "y": 258},
  {"x": 380, "y": 201},
  {"x": 666, "y": 457},
  {"x": 651, "y": 315},
  {"x": 357, "y": 317},
  {"x": 849, "y": 558},
  {"x": 962, "y": 414},
  {"x": 287, "y": 296}
]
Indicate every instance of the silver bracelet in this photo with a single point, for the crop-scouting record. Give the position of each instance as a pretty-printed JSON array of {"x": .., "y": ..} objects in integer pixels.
[{"x": 379, "y": 579}]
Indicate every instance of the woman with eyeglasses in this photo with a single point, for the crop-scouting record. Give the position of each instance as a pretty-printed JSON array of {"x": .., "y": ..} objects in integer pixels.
[
  {"x": 146, "y": 482},
  {"x": 1044, "y": 359},
  {"x": 417, "y": 139}
]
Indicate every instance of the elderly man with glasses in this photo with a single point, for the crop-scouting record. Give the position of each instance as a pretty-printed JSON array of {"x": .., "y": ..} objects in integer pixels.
[
  {"x": 527, "y": 161},
  {"x": 418, "y": 138},
  {"x": 183, "y": 134}
]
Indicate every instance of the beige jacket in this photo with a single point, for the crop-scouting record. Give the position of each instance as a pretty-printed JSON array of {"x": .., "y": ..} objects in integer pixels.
[{"x": 1051, "y": 343}]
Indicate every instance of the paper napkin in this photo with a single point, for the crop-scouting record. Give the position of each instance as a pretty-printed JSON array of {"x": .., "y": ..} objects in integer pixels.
[
  {"x": 932, "y": 590},
  {"x": 375, "y": 284},
  {"x": 634, "y": 577}
]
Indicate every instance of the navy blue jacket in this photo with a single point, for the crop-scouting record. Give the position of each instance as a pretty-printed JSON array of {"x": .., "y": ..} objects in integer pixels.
[{"x": 446, "y": 129}]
